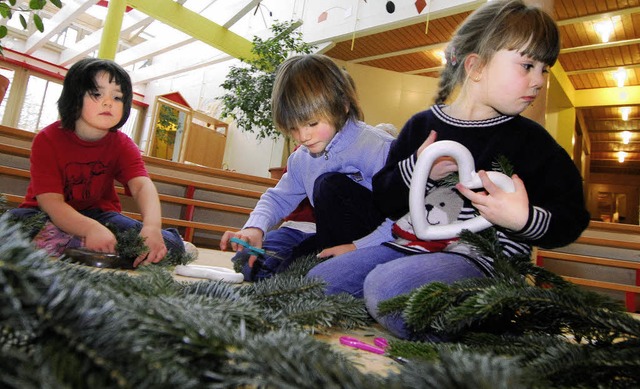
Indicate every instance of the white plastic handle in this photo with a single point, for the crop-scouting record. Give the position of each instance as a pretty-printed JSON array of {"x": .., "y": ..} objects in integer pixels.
[
  {"x": 210, "y": 272},
  {"x": 468, "y": 177}
]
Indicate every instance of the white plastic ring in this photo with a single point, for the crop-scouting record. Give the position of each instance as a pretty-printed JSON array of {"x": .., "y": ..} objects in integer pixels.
[
  {"x": 468, "y": 177},
  {"x": 210, "y": 272}
]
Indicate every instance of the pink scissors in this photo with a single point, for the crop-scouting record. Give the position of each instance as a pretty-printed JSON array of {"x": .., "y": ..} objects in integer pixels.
[{"x": 379, "y": 348}]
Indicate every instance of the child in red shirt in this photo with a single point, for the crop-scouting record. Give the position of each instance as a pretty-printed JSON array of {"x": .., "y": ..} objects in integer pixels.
[{"x": 75, "y": 161}]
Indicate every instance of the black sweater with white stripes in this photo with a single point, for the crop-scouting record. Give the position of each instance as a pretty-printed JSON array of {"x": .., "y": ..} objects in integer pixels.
[{"x": 557, "y": 213}]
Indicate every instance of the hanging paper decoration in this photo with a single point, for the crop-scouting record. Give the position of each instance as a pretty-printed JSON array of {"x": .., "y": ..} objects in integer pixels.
[
  {"x": 105, "y": 3},
  {"x": 420, "y": 5},
  {"x": 391, "y": 7},
  {"x": 324, "y": 15}
]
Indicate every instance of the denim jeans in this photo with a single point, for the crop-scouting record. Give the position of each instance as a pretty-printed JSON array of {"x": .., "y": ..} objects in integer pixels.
[
  {"x": 344, "y": 212},
  {"x": 172, "y": 238},
  {"x": 378, "y": 273},
  {"x": 287, "y": 244}
]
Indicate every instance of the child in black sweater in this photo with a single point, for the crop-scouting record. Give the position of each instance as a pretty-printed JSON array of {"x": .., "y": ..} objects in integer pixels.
[{"x": 498, "y": 59}]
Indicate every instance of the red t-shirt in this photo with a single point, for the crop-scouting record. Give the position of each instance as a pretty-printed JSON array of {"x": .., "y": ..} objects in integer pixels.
[{"x": 82, "y": 171}]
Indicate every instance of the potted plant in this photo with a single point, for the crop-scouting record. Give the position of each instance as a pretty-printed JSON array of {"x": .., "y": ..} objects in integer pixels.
[{"x": 248, "y": 86}]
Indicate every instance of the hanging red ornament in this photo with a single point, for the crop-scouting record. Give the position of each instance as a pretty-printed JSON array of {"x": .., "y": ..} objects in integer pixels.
[{"x": 420, "y": 5}]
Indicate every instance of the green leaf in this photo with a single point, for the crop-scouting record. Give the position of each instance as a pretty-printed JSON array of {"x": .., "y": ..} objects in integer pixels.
[
  {"x": 5, "y": 11},
  {"x": 37, "y": 20},
  {"x": 23, "y": 22},
  {"x": 57, "y": 3},
  {"x": 37, "y": 4},
  {"x": 3, "y": 31}
]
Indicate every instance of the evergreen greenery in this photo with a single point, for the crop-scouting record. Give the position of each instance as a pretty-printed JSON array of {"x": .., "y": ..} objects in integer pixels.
[
  {"x": 249, "y": 86},
  {"x": 69, "y": 326}
]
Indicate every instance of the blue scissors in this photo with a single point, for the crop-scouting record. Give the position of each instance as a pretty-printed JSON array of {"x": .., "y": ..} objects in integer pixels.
[{"x": 252, "y": 249}]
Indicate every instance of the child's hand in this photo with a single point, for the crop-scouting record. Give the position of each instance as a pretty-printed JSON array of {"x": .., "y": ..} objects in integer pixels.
[
  {"x": 442, "y": 166},
  {"x": 99, "y": 238},
  {"x": 251, "y": 235},
  {"x": 505, "y": 209},
  {"x": 157, "y": 249},
  {"x": 336, "y": 250}
]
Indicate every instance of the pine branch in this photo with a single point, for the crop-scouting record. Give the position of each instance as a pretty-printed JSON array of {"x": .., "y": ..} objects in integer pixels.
[
  {"x": 459, "y": 369},
  {"x": 503, "y": 165},
  {"x": 284, "y": 360},
  {"x": 301, "y": 266},
  {"x": 67, "y": 325}
]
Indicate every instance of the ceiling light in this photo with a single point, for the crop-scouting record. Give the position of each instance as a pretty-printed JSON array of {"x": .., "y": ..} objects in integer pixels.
[
  {"x": 620, "y": 76},
  {"x": 621, "y": 156},
  {"x": 626, "y": 137},
  {"x": 604, "y": 29},
  {"x": 624, "y": 112}
]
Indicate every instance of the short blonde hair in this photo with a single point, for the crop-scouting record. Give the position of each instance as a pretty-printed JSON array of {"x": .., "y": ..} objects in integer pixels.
[{"x": 311, "y": 87}]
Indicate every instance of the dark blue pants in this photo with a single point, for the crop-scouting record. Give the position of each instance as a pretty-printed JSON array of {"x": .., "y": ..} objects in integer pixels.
[
  {"x": 172, "y": 238},
  {"x": 344, "y": 212}
]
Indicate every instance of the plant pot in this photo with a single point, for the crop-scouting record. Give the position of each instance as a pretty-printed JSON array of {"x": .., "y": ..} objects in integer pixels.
[{"x": 4, "y": 86}]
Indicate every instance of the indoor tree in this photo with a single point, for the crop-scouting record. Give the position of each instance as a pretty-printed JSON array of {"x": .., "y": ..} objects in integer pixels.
[{"x": 249, "y": 85}]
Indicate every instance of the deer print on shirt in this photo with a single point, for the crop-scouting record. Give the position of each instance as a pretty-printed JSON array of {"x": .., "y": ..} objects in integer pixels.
[{"x": 81, "y": 175}]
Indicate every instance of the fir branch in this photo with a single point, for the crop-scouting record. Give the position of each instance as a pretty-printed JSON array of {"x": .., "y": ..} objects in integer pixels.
[
  {"x": 302, "y": 300},
  {"x": 502, "y": 165},
  {"x": 449, "y": 180},
  {"x": 288, "y": 360},
  {"x": 66, "y": 325},
  {"x": 425, "y": 351},
  {"x": 301, "y": 266},
  {"x": 393, "y": 305},
  {"x": 485, "y": 242},
  {"x": 431, "y": 299},
  {"x": 459, "y": 369}
]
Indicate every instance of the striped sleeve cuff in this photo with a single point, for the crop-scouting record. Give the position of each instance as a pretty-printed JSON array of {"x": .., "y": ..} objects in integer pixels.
[
  {"x": 406, "y": 167},
  {"x": 537, "y": 225}
]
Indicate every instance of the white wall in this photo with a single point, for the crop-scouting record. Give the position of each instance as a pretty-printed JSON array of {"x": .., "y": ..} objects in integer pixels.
[{"x": 385, "y": 97}]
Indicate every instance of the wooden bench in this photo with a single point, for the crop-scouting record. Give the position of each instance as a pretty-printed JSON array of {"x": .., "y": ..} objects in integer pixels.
[
  {"x": 196, "y": 198},
  {"x": 606, "y": 257},
  {"x": 188, "y": 203}
]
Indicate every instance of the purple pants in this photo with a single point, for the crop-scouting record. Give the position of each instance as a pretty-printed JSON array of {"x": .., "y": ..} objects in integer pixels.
[{"x": 379, "y": 273}]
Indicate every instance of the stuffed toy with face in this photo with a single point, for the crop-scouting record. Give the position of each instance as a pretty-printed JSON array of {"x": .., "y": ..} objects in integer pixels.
[{"x": 442, "y": 207}]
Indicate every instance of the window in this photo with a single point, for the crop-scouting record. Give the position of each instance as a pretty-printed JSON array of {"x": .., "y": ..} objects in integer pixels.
[
  {"x": 40, "y": 106},
  {"x": 129, "y": 127}
]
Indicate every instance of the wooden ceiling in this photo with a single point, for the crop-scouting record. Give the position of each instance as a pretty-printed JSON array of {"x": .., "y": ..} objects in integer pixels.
[{"x": 588, "y": 63}]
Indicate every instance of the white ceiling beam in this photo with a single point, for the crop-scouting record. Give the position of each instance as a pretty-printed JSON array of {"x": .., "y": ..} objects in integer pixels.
[
  {"x": 240, "y": 14},
  {"x": 92, "y": 42},
  {"x": 159, "y": 46},
  {"x": 61, "y": 20},
  {"x": 157, "y": 72},
  {"x": 195, "y": 25},
  {"x": 152, "y": 48}
]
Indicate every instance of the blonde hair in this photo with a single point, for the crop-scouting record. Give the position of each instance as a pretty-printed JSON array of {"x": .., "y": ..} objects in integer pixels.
[
  {"x": 497, "y": 25},
  {"x": 312, "y": 87}
]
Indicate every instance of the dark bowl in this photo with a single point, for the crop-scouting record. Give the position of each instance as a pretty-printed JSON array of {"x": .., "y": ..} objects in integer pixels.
[{"x": 96, "y": 259}]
